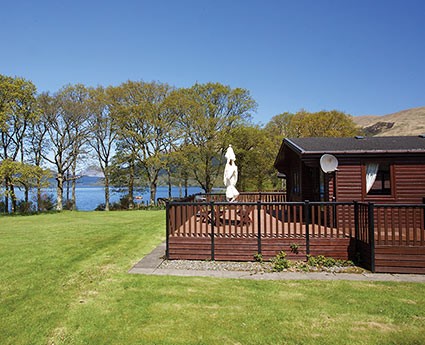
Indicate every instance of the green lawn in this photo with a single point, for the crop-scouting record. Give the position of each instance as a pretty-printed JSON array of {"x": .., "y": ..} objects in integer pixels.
[{"x": 63, "y": 280}]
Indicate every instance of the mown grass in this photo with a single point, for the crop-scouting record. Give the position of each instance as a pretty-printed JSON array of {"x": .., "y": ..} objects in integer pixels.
[{"x": 64, "y": 280}]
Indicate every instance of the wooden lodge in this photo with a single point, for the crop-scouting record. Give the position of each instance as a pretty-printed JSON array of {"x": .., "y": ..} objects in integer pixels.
[{"x": 367, "y": 206}]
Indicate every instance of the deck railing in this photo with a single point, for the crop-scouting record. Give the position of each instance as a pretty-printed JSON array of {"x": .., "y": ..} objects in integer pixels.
[
  {"x": 367, "y": 224},
  {"x": 400, "y": 224},
  {"x": 261, "y": 220},
  {"x": 243, "y": 197}
]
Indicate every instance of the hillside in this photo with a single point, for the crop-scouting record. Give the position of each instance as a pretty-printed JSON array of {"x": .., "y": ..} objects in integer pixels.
[{"x": 405, "y": 122}]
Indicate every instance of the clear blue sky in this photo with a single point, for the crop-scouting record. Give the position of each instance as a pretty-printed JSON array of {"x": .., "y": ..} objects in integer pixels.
[{"x": 358, "y": 56}]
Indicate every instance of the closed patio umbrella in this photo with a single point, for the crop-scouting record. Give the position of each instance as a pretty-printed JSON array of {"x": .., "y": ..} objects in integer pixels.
[{"x": 230, "y": 175}]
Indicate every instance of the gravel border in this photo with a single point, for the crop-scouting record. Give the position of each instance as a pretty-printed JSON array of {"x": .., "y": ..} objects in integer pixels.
[
  {"x": 199, "y": 265},
  {"x": 154, "y": 264},
  {"x": 251, "y": 267}
]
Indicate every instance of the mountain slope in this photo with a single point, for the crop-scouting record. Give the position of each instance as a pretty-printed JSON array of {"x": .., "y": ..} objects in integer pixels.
[{"x": 405, "y": 122}]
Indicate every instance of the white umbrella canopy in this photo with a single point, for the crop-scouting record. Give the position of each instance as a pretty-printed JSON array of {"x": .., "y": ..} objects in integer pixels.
[{"x": 230, "y": 175}]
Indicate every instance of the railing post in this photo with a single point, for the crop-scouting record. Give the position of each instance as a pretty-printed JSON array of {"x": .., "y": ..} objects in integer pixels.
[
  {"x": 371, "y": 227},
  {"x": 167, "y": 229},
  {"x": 212, "y": 231},
  {"x": 307, "y": 225},
  {"x": 356, "y": 225},
  {"x": 423, "y": 210},
  {"x": 356, "y": 220},
  {"x": 259, "y": 227}
]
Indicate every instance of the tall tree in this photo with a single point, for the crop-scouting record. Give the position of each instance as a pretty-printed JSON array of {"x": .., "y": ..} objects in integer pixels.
[
  {"x": 211, "y": 112},
  {"x": 255, "y": 155},
  {"x": 38, "y": 145},
  {"x": 17, "y": 109},
  {"x": 103, "y": 134},
  {"x": 145, "y": 119},
  {"x": 75, "y": 107},
  {"x": 23, "y": 175},
  {"x": 64, "y": 114},
  {"x": 321, "y": 124}
]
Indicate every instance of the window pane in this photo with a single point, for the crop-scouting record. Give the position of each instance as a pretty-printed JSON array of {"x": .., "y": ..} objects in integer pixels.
[{"x": 382, "y": 184}]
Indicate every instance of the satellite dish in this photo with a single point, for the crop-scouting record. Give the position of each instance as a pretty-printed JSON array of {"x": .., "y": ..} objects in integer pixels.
[{"x": 328, "y": 163}]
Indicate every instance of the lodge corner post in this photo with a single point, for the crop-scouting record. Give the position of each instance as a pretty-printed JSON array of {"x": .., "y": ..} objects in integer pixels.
[
  {"x": 259, "y": 226},
  {"x": 371, "y": 228},
  {"x": 307, "y": 225},
  {"x": 167, "y": 230},
  {"x": 356, "y": 225},
  {"x": 212, "y": 231}
]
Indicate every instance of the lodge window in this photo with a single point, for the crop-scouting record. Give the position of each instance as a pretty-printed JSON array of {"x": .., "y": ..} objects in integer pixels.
[{"x": 378, "y": 179}]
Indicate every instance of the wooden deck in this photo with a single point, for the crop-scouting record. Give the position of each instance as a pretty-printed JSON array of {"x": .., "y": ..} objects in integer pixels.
[{"x": 238, "y": 231}]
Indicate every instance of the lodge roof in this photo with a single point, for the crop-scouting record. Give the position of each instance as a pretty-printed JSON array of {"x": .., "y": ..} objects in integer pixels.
[{"x": 412, "y": 144}]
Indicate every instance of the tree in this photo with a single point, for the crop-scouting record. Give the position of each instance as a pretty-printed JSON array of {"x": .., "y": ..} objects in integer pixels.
[
  {"x": 210, "y": 113},
  {"x": 321, "y": 124},
  {"x": 146, "y": 123},
  {"x": 17, "y": 109},
  {"x": 255, "y": 155},
  {"x": 103, "y": 134},
  {"x": 65, "y": 116},
  {"x": 23, "y": 175},
  {"x": 38, "y": 146},
  {"x": 304, "y": 124},
  {"x": 75, "y": 107}
]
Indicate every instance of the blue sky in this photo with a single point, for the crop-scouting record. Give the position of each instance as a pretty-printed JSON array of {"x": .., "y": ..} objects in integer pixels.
[{"x": 358, "y": 56}]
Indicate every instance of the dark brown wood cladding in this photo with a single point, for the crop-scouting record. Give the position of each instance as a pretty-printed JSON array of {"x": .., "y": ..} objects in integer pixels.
[
  {"x": 400, "y": 259},
  {"x": 408, "y": 182},
  {"x": 244, "y": 249}
]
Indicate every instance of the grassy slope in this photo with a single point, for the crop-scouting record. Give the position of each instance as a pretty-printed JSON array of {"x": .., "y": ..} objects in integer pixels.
[
  {"x": 406, "y": 122},
  {"x": 63, "y": 280}
]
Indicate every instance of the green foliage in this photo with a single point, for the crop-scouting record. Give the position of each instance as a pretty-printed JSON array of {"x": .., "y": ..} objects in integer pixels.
[
  {"x": 146, "y": 125},
  {"x": 304, "y": 124},
  {"x": 280, "y": 262},
  {"x": 322, "y": 124},
  {"x": 258, "y": 257},
  {"x": 23, "y": 175},
  {"x": 323, "y": 261},
  {"x": 209, "y": 114},
  {"x": 294, "y": 248},
  {"x": 255, "y": 156}
]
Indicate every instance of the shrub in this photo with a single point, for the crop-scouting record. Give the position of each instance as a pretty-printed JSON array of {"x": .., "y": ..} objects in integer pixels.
[
  {"x": 280, "y": 262},
  {"x": 2, "y": 207},
  {"x": 294, "y": 248},
  {"x": 258, "y": 257},
  {"x": 323, "y": 261},
  {"x": 100, "y": 207},
  {"x": 47, "y": 202},
  {"x": 24, "y": 207}
]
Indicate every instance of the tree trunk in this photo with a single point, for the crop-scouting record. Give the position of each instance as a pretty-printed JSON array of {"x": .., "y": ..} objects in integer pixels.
[
  {"x": 38, "y": 197},
  {"x": 169, "y": 184},
  {"x": 67, "y": 187},
  {"x": 59, "y": 192},
  {"x": 13, "y": 197},
  {"x": 106, "y": 192},
  {"x": 153, "y": 192},
  {"x": 6, "y": 197},
  {"x": 74, "y": 185},
  {"x": 180, "y": 189},
  {"x": 185, "y": 187},
  {"x": 131, "y": 186},
  {"x": 26, "y": 193}
]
